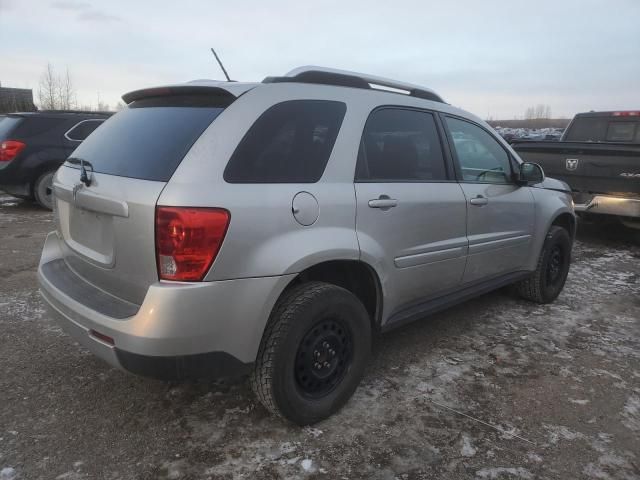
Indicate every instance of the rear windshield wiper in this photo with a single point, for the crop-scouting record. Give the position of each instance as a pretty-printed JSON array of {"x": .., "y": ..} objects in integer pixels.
[{"x": 86, "y": 174}]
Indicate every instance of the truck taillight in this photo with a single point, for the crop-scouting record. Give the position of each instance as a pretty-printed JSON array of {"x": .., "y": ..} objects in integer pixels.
[
  {"x": 188, "y": 240},
  {"x": 626, "y": 114},
  {"x": 9, "y": 149}
]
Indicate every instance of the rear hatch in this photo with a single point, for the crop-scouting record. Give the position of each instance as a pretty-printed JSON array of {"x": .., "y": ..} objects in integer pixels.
[{"x": 107, "y": 221}]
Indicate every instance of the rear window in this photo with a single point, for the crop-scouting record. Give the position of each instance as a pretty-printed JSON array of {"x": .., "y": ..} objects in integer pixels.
[
  {"x": 289, "y": 143},
  {"x": 602, "y": 129},
  {"x": 7, "y": 125},
  {"x": 621, "y": 132},
  {"x": 149, "y": 139},
  {"x": 588, "y": 129}
]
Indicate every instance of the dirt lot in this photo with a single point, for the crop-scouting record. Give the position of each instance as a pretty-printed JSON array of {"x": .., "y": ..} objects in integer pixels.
[{"x": 564, "y": 378}]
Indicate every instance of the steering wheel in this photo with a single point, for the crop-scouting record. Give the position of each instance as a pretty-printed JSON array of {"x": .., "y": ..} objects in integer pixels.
[{"x": 481, "y": 175}]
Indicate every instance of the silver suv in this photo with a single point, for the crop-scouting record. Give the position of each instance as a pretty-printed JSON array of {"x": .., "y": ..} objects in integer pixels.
[{"x": 219, "y": 228}]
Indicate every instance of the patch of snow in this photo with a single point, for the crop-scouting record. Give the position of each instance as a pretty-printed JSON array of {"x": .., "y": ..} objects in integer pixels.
[
  {"x": 631, "y": 413},
  {"x": 314, "y": 432},
  {"x": 499, "y": 472},
  {"x": 468, "y": 450},
  {"x": 307, "y": 465},
  {"x": 8, "y": 473},
  {"x": 558, "y": 432},
  {"x": 593, "y": 471}
]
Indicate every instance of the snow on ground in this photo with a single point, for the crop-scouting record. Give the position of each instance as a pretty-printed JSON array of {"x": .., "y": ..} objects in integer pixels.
[{"x": 547, "y": 391}]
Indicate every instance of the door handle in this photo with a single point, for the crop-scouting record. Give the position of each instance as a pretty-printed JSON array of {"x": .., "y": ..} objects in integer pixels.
[
  {"x": 383, "y": 202},
  {"x": 479, "y": 200}
]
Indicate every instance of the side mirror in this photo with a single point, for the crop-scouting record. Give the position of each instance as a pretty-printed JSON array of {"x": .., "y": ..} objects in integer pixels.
[{"x": 530, "y": 174}]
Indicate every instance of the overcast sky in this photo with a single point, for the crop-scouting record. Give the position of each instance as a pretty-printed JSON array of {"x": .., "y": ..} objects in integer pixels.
[{"x": 492, "y": 57}]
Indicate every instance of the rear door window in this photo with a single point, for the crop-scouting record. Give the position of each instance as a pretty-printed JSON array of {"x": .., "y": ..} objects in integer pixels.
[
  {"x": 32, "y": 125},
  {"x": 82, "y": 130},
  {"x": 149, "y": 139},
  {"x": 621, "y": 131},
  {"x": 400, "y": 145},
  {"x": 291, "y": 142}
]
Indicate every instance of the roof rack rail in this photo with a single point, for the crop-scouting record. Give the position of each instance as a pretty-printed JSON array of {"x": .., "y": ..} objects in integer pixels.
[
  {"x": 345, "y": 78},
  {"x": 97, "y": 112}
]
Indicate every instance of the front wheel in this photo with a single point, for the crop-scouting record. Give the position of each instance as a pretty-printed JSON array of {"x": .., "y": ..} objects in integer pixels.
[
  {"x": 42, "y": 190},
  {"x": 546, "y": 282},
  {"x": 313, "y": 353}
]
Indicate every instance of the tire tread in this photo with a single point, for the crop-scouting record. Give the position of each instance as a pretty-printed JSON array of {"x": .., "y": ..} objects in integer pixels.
[
  {"x": 531, "y": 288},
  {"x": 276, "y": 330}
]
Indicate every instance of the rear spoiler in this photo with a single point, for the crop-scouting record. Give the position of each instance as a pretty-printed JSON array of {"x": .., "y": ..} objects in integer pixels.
[{"x": 228, "y": 91}]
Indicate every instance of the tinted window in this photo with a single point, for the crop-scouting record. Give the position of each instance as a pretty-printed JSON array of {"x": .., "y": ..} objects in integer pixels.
[
  {"x": 7, "y": 125},
  {"x": 400, "y": 145},
  {"x": 290, "y": 143},
  {"x": 83, "y": 129},
  {"x": 481, "y": 157},
  {"x": 34, "y": 125},
  {"x": 146, "y": 142},
  {"x": 588, "y": 129},
  {"x": 621, "y": 131}
]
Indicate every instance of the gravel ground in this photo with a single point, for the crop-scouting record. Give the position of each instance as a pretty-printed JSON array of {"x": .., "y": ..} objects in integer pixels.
[{"x": 559, "y": 386}]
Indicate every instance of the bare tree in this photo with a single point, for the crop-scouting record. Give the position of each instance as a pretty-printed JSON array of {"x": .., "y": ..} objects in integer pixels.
[
  {"x": 55, "y": 92},
  {"x": 47, "y": 90},
  {"x": 66, "y": 92},
  {"x": 540, "y": 111},
  {"x": 529, "y": 113}
]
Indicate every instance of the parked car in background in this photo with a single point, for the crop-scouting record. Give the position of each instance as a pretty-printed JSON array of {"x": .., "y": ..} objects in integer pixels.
[
  {"x": 34, "y": 144},
  {"x": 599, "y": 157},
  {"x": 220, "y": 228}
]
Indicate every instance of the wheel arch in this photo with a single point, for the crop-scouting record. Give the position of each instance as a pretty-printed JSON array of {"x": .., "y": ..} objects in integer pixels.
[
  {"x": 567, "y": 221},
  {"x": 356, "y": 276}
]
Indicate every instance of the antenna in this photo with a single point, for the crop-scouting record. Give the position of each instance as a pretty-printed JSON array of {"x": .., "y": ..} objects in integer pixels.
[{"x": 221, "y": 66}]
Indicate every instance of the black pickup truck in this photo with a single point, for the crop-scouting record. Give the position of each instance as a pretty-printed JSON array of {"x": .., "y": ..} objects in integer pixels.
[{"x": 599, "y": 157}]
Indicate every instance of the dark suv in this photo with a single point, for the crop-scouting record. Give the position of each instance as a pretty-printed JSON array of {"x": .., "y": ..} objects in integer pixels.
[{"x": 34, "y": 144}]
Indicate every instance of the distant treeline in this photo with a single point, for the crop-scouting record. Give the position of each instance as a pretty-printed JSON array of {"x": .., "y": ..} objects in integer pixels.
[{"x": 531, "y": 123}]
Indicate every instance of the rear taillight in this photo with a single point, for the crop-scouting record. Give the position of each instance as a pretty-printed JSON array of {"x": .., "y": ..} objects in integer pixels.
[
  {"x": 9, "y": 149},
  {"x": 626, "y": 114},
  {"x": 188, "y": 240}
]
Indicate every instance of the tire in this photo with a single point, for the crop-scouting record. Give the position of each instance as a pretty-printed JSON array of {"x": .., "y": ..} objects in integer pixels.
[
  {"x": 307, "y": 324},
  {"x": 40, "y": 187},
  {"x": 629, "y": 222},
  {"x": 547, "y": 281}
]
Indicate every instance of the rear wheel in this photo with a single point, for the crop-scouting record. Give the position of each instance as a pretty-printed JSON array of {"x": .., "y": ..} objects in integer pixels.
[
  {"x": 546, "y": 282},
  {"x": 313, "y": 353},
  {"x": 42, "y": 190}
]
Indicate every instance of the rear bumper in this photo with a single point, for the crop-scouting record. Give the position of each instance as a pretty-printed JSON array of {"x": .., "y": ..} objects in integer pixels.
[
  {"x": 608, "y": 205},
  {"x": 181, "y": 330}
]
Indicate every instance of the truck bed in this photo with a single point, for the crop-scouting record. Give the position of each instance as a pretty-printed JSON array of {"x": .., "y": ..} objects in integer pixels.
[{"x": 601, "y": 168}]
